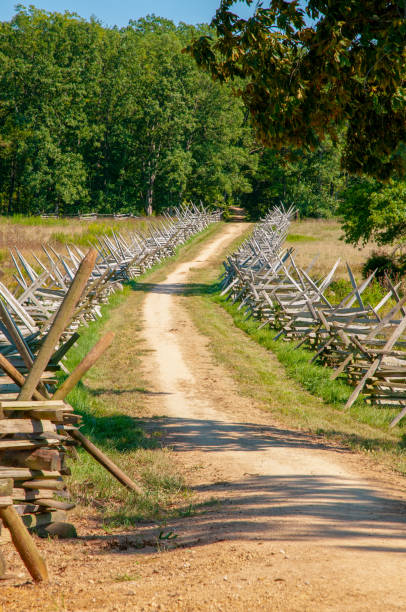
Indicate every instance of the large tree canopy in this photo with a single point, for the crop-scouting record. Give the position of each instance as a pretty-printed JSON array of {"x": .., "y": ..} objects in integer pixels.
[
  {"x": 372, "y": 210},
  {"x": 120, "y": 120},
  {"x": 96, "y": 118},
  {"x": 312, "y": 181},
  {"x": 113, "y": 120},
  {"x": 304, "y": 73}
]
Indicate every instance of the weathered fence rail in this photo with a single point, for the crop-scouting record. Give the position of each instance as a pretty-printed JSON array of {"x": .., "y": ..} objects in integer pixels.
[{"x": 354, "y": 338}]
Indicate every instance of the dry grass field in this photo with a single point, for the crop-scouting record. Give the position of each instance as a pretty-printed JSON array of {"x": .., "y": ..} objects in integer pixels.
[
  {"x": 322, "y": 238},
  {"x": 28, "y": 234},
  {"x": 313, "y": 239}
]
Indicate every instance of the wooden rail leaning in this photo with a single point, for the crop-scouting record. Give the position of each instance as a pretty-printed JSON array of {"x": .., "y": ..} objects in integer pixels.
[
  {"x": 87, "y": 362},
  {"x": 24, "y": 543},
  {"x": 16, "y": 376},
  {"x": 18, "y": 341},
  {"x": 22, "y": 540},
  {"x": 99, "y": 348},
  {"x": 61, "y": 320},
  {"x": 105, "y": 461}
]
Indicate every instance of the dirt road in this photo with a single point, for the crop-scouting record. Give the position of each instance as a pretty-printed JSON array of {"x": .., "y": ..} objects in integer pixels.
[
  {"x": 320, "y": 536},
  {"x": 281, "y": 521}
]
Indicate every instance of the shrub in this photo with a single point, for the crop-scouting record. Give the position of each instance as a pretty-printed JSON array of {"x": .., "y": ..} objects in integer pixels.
[{"x": 385, "y": 263}]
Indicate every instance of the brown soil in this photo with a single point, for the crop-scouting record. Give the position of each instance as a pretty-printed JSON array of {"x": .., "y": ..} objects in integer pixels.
[{"x": 286, "y": 522}]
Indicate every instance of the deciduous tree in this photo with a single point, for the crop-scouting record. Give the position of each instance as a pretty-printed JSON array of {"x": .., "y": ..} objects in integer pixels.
[{"x": 305, "y": 73}]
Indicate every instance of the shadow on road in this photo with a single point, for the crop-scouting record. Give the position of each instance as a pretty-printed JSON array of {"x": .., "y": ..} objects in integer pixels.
[
  {"x": 175, "y": 288},
  {"x": 274, "y": 507}
]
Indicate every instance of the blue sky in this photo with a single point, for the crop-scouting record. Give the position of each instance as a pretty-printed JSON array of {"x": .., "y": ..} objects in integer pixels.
[{"x": 120, "y": 12}]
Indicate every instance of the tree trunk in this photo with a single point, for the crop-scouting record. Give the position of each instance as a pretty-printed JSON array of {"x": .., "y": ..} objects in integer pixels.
[
  {"x": 19, "y": 203},
  {"x": 150, "y": 195},
  {"x": 12, "y": 184},
  {"x": 154, "y": 151}
]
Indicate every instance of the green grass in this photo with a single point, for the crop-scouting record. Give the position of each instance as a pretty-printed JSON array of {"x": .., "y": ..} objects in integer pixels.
[
  {"x": 33, "y": 220},
  {"x": 123, "y": 438},
  {"x": 372, "y": 295},
  {"x": 111, "y": 401},
  {"x": 299, "y": 238},
  {"x": 88, "y": 236},
  {"x": 314, "y": 378}
]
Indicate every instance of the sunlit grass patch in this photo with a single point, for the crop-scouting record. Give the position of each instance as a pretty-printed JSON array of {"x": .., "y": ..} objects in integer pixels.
[
  {"x": 88, "y": 236},
  {"x": 34, "y": 220},
  {"x": 325, "y": 247},
  {"x": 299, "y": 238}
]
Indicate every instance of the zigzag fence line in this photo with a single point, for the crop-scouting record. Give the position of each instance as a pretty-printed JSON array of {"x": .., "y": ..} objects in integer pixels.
[
  {"x": 38, "y": 324},
  {"x": 360, "y": 341}
]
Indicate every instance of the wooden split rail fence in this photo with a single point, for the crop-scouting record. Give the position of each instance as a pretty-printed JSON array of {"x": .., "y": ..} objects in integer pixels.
[
  {"x": 364, "y": 343},
  {"x": 38, "y": 325}
]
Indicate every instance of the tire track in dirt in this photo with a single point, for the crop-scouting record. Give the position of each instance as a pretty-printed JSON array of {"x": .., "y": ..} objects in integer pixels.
[{"x": 333, "y": 539}]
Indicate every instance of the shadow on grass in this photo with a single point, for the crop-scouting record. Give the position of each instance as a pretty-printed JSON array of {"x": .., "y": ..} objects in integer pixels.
[
  {"x": 363, "y": 442},
  {"x": 336, "y": 501},
  {"x": 115, "y": 431}
]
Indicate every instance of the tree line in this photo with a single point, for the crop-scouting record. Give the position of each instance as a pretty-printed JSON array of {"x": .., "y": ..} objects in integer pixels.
[
  {"x": 123, "y": 120},
  {"x": 120, "y": 120}
]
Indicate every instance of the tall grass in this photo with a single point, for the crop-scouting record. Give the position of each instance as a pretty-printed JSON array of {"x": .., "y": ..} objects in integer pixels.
[
  {"x": 88, "y": 236},
  {"x": 34, "y": 220}
]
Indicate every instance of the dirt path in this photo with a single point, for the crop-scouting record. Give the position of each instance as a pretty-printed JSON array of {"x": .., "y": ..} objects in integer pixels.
[{"x": 321, "y": 536}]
